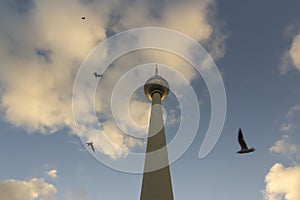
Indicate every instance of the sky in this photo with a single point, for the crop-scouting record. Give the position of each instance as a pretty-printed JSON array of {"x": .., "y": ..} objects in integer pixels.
[{"x": 50, "y": 103}]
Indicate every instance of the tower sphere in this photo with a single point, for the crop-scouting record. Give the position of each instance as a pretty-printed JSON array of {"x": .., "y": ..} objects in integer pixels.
[{"x": 156, "y": 84}]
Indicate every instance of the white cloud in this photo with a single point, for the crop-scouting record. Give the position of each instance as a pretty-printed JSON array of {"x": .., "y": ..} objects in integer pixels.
[
  {"x": 293, "y": 111},
  {"x": 42, "y": 48},
  {"x": 27, "y": 190},
  {"x": 52, "y": 173},
  {"x": 287, "y": 127},
  {"x": 194, "y": 18},
  {"x": 282, "y": 182},
  {"x": 285, "y": 148},
  {"x": 295, "y": 51},
  {"x": 79, "y": 194},
  {"x": 140, "y": 113},
  {"x": 194, "y": 23},
  {"x": 286, "y": 63},
  {"x": 291, "y": 30},
  {"x": 173, "y": 118},
  {"x": 37, "y": 86},
  {"x": 291, "y": 57}
]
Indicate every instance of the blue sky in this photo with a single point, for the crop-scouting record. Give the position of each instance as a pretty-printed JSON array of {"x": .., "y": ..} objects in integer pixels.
[{"x": 255, "y": 45}]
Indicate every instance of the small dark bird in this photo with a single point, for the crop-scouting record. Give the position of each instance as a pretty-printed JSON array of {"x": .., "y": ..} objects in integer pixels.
[
  {"x": 91, "y": 145},
  {"x": 242, "y": 142},
  {"x": 83, "y": 17},
  {"x": 97, "y": 75}
]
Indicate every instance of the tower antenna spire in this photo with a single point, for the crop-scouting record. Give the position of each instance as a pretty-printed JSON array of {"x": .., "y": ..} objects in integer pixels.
[{"x": 157, "y": 182}]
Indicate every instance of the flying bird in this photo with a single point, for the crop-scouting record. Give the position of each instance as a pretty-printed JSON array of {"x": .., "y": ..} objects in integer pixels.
[
  {"x": 91, "y": 145},
  {"x": 83, "y": 17},
  {"x": 242, "y": 142},
  {"x": 97, "y": 75}
]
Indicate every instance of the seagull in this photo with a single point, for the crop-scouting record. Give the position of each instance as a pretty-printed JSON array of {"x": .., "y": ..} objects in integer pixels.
[
  {"x": 97, "y": 75},
  {"x": 244, "y": 148},
  {"x": 91, "y": 145}
]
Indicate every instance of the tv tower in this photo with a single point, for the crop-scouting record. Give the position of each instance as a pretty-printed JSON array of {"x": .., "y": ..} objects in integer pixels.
[{"x": 156, "y": 184}]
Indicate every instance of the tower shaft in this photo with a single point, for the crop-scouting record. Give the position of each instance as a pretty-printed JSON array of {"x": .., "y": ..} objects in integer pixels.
[{"x": 157, "y": 185}]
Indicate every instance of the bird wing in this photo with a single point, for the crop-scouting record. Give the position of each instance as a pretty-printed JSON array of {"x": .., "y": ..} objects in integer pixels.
[
  {"x": 92, "y": 146},
  {"x": 241, "y": 140}
]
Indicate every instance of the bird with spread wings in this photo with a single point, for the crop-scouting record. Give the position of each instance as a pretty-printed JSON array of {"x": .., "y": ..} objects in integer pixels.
[
  {"x": 91, "y": 145},
  {"x": 97, "y": 75},
  {"x": 242, "y": 142}
]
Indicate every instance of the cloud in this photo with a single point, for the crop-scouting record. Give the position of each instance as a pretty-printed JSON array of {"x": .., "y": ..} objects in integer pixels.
[
  {"x": 27, "y": 190},
  {"x": 285, "y": 148},
  {"x": 286, "y": 63},
  {"x": 291, "y": 57},
  {"x": 40, "y": 53},
  {"x": 52, "y": 173},
  {"x": 291, "y": 30},
  {"x": 295, "y": 51},
  {"x": 42, "y": 48},
  {"x": 293, "y": 111},
  {"x": 282, "y": 182},
  {"x": 79, "y": 194},
  {"x": 140, "y": 113},
  {"x": 198, "y": 21},
  {"x": 287, "y": 127},
  {"x": 173, "y": 118}
]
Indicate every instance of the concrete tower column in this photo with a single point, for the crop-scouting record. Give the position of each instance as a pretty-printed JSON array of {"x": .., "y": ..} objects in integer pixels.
[{"x": 157, "y": 185}]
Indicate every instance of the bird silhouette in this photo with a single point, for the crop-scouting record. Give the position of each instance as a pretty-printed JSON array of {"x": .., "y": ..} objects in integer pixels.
[
  {"x": 242, "y": 142},
  {"x": 97, "y": 75},
  {"x": 91, "y": 145}
]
